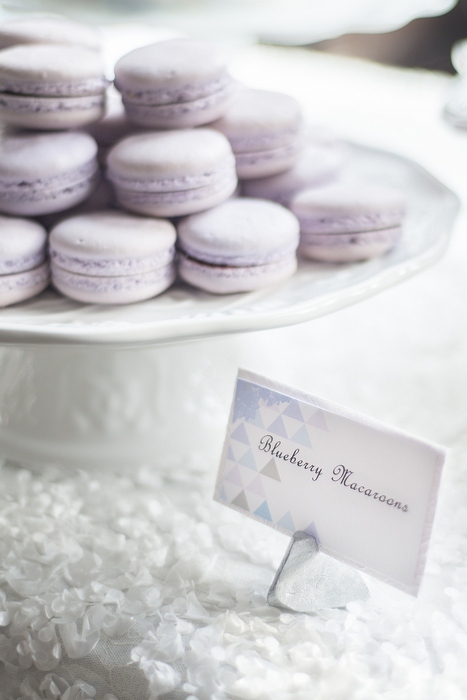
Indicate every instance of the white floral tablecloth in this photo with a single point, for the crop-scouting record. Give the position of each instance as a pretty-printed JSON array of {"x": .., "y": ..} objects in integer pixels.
[{"x": 140, "y": 586}]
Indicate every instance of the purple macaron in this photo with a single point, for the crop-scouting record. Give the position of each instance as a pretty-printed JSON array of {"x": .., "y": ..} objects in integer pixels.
[
  {"x": 177, "y": 83},
  {"x": 172, "y": 173},
  {"x": 241, "y": 245},
  {"x": 346, "y": 222},
  {"x": 265, "y": 130},
  {"x": 51, "y": 87},
  {"x": 24, "y": 268},
  {"x": 42, "y": 173},
  {"x": 111, "y": 257}
]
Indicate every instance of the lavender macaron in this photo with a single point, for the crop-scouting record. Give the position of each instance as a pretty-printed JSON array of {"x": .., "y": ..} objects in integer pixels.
[
  {"x": 241, "y": 245},
  {"x": 172, "y": 173},
  {"x": 51, "y": 87},
  {"x": 346, "y": 222},
  {"x": 265, "y": 130},
  {"x": 44, "y": 28},
  {"x": 112, "y": 257},
  {"x": 176, "y": 83},
  {"x": 24, "y": 268},
  {"x": 42, "y": 173}
]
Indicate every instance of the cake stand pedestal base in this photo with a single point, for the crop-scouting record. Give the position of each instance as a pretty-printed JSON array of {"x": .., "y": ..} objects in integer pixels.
[{"x": 113, "y": 408}]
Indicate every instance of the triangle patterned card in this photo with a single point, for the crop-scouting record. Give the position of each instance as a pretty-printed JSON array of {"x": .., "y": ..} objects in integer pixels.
[{"x": 367, "y": 490}]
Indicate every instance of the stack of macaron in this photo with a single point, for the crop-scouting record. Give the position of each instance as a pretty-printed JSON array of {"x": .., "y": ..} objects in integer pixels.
[
  {"x": 218, "y": 180},
  {"x": 51, "y": 83}
]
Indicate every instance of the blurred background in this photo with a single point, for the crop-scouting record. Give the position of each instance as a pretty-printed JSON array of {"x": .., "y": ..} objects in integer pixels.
[{"x": 412, "y": 33}]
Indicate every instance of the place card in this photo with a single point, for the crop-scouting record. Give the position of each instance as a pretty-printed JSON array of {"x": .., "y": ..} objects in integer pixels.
[{"x": 365, "y": 491}]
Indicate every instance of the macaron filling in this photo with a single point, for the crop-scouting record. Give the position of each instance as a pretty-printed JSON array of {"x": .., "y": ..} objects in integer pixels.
[
  {"x": 46, "y": 199},
  {"x": 24, "y": 285},
  {"x": 159, "y": 278},
  {"x": 18, "y": 183},
  {"x": 167, "y": 95},
  {"x": 165, "y": 114},
  {"x": 265, "y": 257},
  {"x": 266, "y": 141},
  {"x": 176, "y": 183},
  {"x": 92, "y": 289},
  {"x": 52, "y": 105},
  {"x": 112, "y": 267},
  {"x": 358, "y": 238},
  {"x": 354, "y": 223},
  {"x": 89, "y": 86},
  {"x": 245, "y": 160},
  {"x": 25, "y": 262},
  {"x": 225, "y": 279},
  {"x": 34, "y": 277},
  {"x": 180, "y": 202}
]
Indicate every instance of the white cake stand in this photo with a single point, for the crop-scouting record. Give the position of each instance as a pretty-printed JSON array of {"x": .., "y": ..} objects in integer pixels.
[{"x": 116, "y": 387}]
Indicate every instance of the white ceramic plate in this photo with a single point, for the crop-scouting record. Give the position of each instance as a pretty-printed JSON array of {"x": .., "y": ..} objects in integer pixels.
[{"x": 316, "y": 289}]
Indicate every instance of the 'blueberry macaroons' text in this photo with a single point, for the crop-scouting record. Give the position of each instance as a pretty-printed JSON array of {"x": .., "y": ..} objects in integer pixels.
[
  {"x": 343, "y": 476},
  {"x": 268, "y": 444}
]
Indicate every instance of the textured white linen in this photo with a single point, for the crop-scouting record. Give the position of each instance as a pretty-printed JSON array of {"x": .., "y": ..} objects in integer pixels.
[{"x": 141, "y": 586}]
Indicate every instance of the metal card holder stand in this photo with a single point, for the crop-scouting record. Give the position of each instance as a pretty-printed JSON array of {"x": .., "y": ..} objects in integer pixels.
[{"x": 308, "y": 580}]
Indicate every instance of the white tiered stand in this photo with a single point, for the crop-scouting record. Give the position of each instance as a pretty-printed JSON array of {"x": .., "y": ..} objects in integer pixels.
[{"x": 150, "y": 383}]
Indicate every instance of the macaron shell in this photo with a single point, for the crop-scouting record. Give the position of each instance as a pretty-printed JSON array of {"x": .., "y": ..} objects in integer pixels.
[
  {"x": 23, "y": 285},
  {"x": 169, "y": 160},
  {"x": 168, "y": 66},
  {"x": 240, "y": 232},
  {"x": 229, "y": 280},
  {"x": 348, "y": 207},
  {"x": 33, "y": 158},
  {"x": 23, "y": 245},
  {"x": 113, "y": 290},
  {"x": 52, "y": 70},
  {"x": 112, "y": 244}
]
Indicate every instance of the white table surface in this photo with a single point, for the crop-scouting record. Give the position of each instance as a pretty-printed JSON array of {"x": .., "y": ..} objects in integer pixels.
[{"x": 167, "y": 588}]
